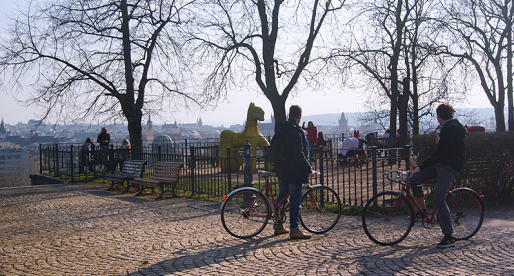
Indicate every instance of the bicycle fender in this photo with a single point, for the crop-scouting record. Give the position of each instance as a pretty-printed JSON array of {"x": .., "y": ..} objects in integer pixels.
[
  {"x": 473, "y": 191},
  {"x": 312, "y": 187},
  {"x": 238, "y": 190}
]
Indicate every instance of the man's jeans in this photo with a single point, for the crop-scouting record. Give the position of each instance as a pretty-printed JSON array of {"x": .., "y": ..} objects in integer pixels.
[
  {"x": 295, "y": 199},
  {"x": 445, "y": 176}
]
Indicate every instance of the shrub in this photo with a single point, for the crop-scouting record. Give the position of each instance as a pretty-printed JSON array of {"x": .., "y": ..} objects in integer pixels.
[{"x": 489, "y": 168}]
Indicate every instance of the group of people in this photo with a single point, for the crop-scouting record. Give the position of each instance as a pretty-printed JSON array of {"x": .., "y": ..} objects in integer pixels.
[
  {"x": 314, "y": 139},
  {"x": 444, "y": 165},
  {"x": 103, "y": 139}
]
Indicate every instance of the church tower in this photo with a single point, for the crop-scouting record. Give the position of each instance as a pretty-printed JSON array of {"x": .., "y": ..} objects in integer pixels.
[
  {"x": 149, "y": 129},
  {"x": 343, "y": 125},
  {"x": 3, "y": 130}
]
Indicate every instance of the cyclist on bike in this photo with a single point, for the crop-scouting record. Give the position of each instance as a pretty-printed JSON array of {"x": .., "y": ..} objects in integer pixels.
[
  {"x": 295, "y": 173},
  {"x": 444, "y": 164}
]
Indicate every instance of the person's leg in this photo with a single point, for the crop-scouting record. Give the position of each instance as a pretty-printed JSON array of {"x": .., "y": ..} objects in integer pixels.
[
  {"x": 422, "y": 176},
  {"x": 294, "y": 212},
  {"x": 295, "y": 201},
  {"x": 283, "y": 191},
  {"x": 445, "y": 177}
]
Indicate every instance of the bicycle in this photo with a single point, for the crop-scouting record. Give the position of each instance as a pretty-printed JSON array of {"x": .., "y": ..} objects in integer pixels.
[
  {"x": 388, "y": 217},
  {"x": 245, "y": 212}
]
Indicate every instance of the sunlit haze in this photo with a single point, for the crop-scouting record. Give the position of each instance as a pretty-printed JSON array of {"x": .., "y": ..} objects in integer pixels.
[{"x": 231, "y": 111}]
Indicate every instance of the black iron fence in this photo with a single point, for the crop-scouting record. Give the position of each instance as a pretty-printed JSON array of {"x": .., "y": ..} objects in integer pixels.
[{"x": 355, "y": 179}]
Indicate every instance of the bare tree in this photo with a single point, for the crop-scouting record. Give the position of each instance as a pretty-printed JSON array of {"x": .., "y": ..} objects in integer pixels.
[
  {"x": 94, "y": 58},
  {"x": 273, "y": 43},
  {"x": 483, "y": 37},
  {"x": 403, "y": 61}
]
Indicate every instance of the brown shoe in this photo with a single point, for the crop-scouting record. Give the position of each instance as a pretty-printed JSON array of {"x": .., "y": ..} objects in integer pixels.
[
  {"x": 281, "y": 231},
  {"x": 299, "y": 235}
]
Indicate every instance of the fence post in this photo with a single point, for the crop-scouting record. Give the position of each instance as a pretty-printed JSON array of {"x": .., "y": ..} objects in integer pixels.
[
  {"x": 406, "y": 152},
  {"x": 112, "y": 161},
  {"x": 266, "y": 162},
  {"x": 159, "y": 157},
  {"x": 374, "y": 169},
  {"x": 248, "y": 173},
  {"x": 57, "y": 160},
  {"x": 40, "y": 159},
  {"x": 321, "y": 180},
  {"x": 192, "y": 166},
  {"x": 248, "y": 170},
  {"x": 229, "y": 175},
  {"x": 185, "y": 149},
  {"x": 71, "y": 164}
]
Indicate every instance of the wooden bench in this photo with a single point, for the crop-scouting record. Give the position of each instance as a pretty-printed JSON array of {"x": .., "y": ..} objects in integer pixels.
[
  {"x": 131, "y": 169},
  {"x": 165, "y": 176}
]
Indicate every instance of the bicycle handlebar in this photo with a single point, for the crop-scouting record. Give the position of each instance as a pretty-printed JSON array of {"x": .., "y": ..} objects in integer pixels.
[{"x": 399, "y": 175}]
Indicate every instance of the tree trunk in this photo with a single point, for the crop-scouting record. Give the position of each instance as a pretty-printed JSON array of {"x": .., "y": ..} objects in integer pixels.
[
  {"x": 279, "y": 109},
  {"x": 499, "y": 116},
  {"x": 510, "y": 101},
  {"x": 135, "y": 134},
  {"x": 403, "y": 105}
]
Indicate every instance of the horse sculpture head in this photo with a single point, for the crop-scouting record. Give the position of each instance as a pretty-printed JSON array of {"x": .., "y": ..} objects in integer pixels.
[{"x": 254, "y": 113}]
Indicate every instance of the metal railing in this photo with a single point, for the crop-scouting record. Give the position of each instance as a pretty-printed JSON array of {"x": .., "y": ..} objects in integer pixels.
[{"x": 354, "y": 179}]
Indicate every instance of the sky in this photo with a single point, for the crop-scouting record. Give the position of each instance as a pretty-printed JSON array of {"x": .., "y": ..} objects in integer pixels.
[{"x": 232, "y": 111}]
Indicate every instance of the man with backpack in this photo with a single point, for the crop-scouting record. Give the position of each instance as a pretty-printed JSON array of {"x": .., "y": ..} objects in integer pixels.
[{"x": 293, "y": 171}]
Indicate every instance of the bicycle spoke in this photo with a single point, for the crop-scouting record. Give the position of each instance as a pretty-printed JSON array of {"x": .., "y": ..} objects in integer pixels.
[
  {"x": 245, "y": 213},
  {"x": 467, "y": 213},
  {"x": 320, "y": 210},
  {"x": 387, "y": 219}
]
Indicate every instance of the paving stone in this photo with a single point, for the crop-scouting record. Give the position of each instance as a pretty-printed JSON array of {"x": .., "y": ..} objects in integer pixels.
[{"x": 82, "y": 229}]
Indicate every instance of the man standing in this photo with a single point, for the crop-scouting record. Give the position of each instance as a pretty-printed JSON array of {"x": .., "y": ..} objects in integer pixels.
[
  {"x": 295, "y": 173},
  {"x": 84, "y": 155},
  {"x": 444, "y": 164}
]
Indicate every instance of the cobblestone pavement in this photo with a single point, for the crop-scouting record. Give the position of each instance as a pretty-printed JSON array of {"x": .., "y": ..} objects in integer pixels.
[{"x": 83, "y": 230}]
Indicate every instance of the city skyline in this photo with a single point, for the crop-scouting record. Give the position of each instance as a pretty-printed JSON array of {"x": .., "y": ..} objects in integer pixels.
[{"x": 231, "y": 111}]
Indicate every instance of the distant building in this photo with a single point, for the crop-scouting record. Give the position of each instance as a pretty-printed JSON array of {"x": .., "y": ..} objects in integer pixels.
[
  {"x": 3, "y": 129},
  {"x": 343, "y": 125},
  {"x": 268, "y": 129},
  {"x": 149, "y": 129}
]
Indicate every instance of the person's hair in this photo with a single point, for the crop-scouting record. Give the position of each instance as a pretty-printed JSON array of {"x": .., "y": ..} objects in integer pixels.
[
  {"x": 310, "y": 123},
  {"x": 321, "y": 135},
  {"x": 295, "y": 111},
  {"x": 88, "y": 140},
  {"x": 445, "y": 111},
  {"x": 104, "y": 130},
  {"x": 125, "y": 142},
  {"x": 387, "y": 131}
]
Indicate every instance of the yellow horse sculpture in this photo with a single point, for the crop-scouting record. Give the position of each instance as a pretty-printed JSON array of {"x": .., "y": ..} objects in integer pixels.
[{"x": 234, "y": 140}]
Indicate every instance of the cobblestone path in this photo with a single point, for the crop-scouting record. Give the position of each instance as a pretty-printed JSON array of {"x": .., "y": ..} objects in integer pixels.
[{"x": 80, "y": 229}]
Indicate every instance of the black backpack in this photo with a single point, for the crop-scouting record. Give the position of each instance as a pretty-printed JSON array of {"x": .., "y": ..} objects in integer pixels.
[{"x": 277, "y": 152}]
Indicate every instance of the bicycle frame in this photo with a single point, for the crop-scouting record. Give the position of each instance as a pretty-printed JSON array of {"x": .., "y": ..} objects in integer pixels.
[
  {"x": 266, "y": 190},
  {"x": 391, "y": 222},
  {"x": 433, "y": 217},
  {"x": 276, "y": 206}
]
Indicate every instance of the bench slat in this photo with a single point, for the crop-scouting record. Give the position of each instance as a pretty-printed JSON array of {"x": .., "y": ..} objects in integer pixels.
[
  {"x": 164, "y": 174},
  {"x": 131, "y": 169}
]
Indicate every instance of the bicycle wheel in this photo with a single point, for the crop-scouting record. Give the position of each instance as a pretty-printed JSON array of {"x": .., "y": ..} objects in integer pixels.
[
  {"x": 245, "y": 213},
  {"x": 320, "y": 210},
  {"x": 387, "y": 218},
  {"x": 467, "y": 213}
]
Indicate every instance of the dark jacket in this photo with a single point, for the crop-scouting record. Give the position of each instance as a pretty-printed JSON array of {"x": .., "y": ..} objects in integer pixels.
[
  {"x": 297, "y": 169},
  {"x": 84, "y": 147},
  {"x": 450, "y": 148},
  {"x": 103, "y": 136}
]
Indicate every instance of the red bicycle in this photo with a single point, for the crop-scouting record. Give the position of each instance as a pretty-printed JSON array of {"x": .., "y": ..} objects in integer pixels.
[
  {"x": 245, "y": 212},
  {"x": 389, "y": 216}
]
